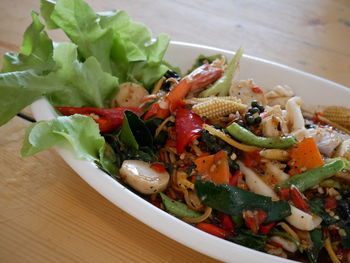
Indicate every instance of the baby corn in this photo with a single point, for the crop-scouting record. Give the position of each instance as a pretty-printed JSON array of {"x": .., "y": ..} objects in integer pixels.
[{"x": 218, "y": 107}]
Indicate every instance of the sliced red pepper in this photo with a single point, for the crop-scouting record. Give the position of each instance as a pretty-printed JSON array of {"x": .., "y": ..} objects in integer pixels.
[
  {"x": 107, "y": 119},
  {"x": 253, "y": 219},
  {"x": 213, "y": 229},
  {"x": 252, "y": 159},
  {"x": 274, "y": 243},
  {"x": 266, "y": 228},
  {"x": 158, "y": 167},
  {"x": 156, "y": 111},
  {"x": 226, "y": 222},
  {"x": 298, "y": 200},
  {"x": 188, "y": 127},
  {"x": 234, "y": 178},
  {"x": 257, "y": 90},
  {"x": 330, "y": 202},
  {"x": 284, "y": 193}
]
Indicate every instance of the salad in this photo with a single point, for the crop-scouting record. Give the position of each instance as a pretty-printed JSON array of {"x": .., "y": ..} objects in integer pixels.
[{"x": 252, "y": 166}]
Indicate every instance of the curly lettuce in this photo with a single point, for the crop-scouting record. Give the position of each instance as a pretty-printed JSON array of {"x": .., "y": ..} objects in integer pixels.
[{"x": 106, "y": 49}]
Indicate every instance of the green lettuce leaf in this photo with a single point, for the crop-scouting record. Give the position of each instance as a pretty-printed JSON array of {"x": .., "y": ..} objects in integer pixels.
[
  {"x": 82, "y": 84},
  {"x": 21, "y": 88},
  {"x": 80, "y": 132},
  {"x": 72, "y": 84},
  {"x": 35, "y": 52},
  {"x": 135, "y": 56},
  {"x": 46, "y": 9},
  {"x": 81, "y": 25}
]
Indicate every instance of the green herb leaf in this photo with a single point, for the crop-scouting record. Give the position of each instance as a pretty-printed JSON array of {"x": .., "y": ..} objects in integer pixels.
[
  {"x": 233, "y": 200},
  {"x": 249, "y": 239},
  {"x": 317, "y": 245},
  {"x": 317, "y": 207},
  {"x": 126, "y": 135},
  {"x": 134, "y": 132},
  {"x": 346, "y": 239}
]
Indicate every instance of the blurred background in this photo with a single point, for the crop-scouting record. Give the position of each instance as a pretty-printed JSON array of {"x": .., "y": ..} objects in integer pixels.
[{"x": 310, "y": 35}]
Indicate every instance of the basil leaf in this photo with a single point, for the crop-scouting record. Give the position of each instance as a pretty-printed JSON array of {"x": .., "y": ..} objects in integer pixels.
[
  {"x": 233, "y": 200},
  {"x": 249, "y": 239},
  {"x": 317, "y": 245},
  {"x": 317, "y": 207}
]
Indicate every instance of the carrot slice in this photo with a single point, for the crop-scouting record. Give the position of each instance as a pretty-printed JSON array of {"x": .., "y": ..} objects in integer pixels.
[{"x": 304, "y": 156}]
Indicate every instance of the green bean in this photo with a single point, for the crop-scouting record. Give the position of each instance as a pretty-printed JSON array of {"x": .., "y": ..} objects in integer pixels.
[
  {"x": 177, "y": 208},
  {"x": 247, "y": 137},
  {"x": 315, "y": 176}
]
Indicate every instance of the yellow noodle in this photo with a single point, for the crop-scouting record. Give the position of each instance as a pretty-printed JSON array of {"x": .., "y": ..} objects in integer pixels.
[
  {"x": 172, "y": 158},
  {"x": 170, "y": 149},
  {"x": 161, "y": 126},
  {"x": 224, "y": 137},
  {"x": 196, "y": 149},
  {"x": 174, "y": 182},
  {"x": 195, "y": 220},
  {"x": 330, "y": 251},
  {"x": 158, "y": 85},
  {"x": 289, "y": 230}
]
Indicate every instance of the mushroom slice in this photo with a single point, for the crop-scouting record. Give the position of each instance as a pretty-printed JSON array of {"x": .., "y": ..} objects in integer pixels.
[{"x": 140, "y": 176}]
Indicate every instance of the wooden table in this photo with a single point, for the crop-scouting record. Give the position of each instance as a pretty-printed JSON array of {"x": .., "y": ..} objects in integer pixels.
[{"x": 49, "y": 214}]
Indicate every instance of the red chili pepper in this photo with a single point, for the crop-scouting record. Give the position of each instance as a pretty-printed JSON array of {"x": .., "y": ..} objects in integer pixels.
[
  {"x": 257, "y": 90},
  {"x": 188, "y": 127},
  {"x": 266, "y": 228},
  {"x": 158, "y": 167},
  {"x": 330, "y": 202},
  {"x": 235, "y": 177},
  {"x": 284, "y": 193},
  {"x": 298, "y": 200},
  {"x": 252, "y": 159},
  {"x": 253, "y": 219},
  {"x": 155, "y": 111},
  {"x": 226, "y": 222},
  {"x": 214, "y": 230},
  {"x": 342, "y": 254},
  {"x": 274, "y": 243},
  {"x": 107, "y": 119}
]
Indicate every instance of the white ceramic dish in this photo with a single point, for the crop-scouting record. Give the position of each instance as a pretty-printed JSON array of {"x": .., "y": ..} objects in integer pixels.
[{"x": 312, "y": 89}]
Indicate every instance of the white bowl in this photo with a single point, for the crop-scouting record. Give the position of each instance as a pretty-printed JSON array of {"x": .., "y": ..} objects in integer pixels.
[{"x": 312, "y": 89}]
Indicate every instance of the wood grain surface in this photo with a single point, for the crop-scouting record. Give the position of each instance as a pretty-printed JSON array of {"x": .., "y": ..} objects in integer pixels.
[{"x": 49, "y": 214}]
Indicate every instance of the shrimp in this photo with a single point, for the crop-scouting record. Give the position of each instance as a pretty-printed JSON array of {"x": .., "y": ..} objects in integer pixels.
[{"x": 197, "y": 80}]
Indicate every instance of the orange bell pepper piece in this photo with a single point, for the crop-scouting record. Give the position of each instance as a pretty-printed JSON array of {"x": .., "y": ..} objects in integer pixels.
[
  {"x": 214, "y": 167},
  {"x": 304, "y": 156}
]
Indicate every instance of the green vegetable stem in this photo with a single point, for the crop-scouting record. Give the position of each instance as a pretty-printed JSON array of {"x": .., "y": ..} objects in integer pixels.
[
  {"x": 315, "y": 176},
  {"x": 222, "y": 85},
  {"x": 247, "y": 137}
]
